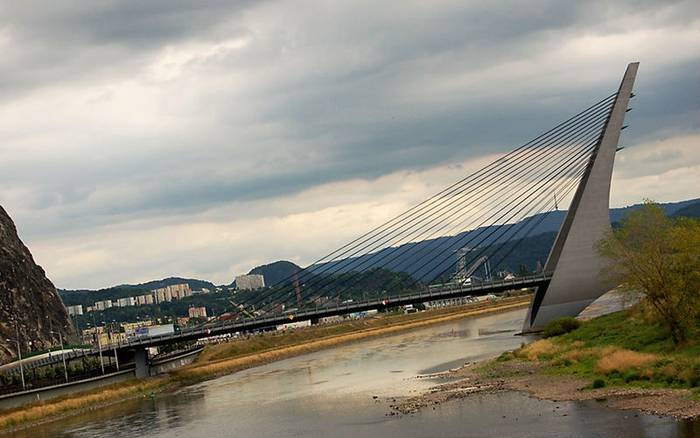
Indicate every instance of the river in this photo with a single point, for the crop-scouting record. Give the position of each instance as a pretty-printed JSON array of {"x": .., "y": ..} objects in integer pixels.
[{"x": 332, "y": 393}]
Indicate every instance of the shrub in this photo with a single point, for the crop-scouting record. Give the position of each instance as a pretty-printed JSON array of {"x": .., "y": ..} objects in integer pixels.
[
  {"x": 682, "y": 372},
  {"x": 631, "y": 376},
  {"x": 561, "y": 326},
  {"x": 506, "y": 356},
  {"x": 598, "y": 383}
]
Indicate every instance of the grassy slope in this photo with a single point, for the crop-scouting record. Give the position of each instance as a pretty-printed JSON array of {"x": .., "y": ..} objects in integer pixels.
[{"x": 618, "y": 349}]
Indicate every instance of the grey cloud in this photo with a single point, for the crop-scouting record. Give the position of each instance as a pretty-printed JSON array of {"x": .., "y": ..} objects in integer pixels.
[{"x": 319, "y": 92}]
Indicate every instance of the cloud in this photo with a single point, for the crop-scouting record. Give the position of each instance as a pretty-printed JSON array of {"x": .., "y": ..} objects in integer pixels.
[
  {"x": 662, "y": 170},
  {"x": 120, "y": 115}
]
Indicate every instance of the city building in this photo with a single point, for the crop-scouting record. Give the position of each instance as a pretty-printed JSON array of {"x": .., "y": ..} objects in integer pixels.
[
  {"x": 75, "y": 310},
  {"x": 172, "y": 292},
  {"x": 126, "y": 302},
  {"x": 159, "y": 296},
  {"x": 250, "y": 282},
  {"x": 143, "y": 300},
  {"x": 102, "y": 305},
  {"x": 180, "y": 291},
  {"x": 197, "y": 312}
]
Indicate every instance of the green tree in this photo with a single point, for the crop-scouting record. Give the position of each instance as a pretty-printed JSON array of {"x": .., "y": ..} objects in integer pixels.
[{"x": 659, "y": 257}]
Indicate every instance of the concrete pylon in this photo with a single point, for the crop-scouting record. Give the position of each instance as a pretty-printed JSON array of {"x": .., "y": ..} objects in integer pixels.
[
  {"x": 141, "y": 363},
  {"x": 573, "y": 261}
]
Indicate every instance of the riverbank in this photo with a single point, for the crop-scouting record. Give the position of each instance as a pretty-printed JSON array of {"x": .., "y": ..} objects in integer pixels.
[
  {"x": 218, "y": 360},
  {"x": 617, "y": 359}
]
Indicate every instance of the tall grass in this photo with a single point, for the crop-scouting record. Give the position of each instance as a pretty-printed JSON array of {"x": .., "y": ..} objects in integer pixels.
[
  {"x": 77, "y": 402},
  {"x": 621, "y": 361}
]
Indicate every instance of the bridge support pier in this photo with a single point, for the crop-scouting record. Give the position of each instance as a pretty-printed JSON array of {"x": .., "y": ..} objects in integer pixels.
[
  {"x": 577, "y": 268},
  {"x": 141, "y": 363}
]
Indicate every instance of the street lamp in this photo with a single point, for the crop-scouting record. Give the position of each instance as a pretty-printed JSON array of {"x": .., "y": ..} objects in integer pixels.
[
  {"x": 114, "y": 344},
  {"x": 63, "y": 355},
  {"x": 19, "y": 353},
  {"x": 48, "y": 318},
  {"x": 21, "y": 367},
  {"x": 99, "y": 344}
]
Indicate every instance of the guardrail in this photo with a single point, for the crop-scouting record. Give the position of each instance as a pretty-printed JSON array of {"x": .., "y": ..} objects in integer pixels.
[{"x": 33, "y": 384}]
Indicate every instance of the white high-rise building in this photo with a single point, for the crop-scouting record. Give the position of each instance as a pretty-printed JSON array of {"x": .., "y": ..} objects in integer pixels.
[
  {"x": 172, "y": 292},
  {"x": 102, "y": 305},
  {"x": 250, "y": 282},
  {"x": 75, "y": 310},
  {"x": 126, "y": 302}
]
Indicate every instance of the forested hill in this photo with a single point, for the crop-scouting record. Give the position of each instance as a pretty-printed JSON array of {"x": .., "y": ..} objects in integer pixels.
[
  {"x": 89, "y": 297},
  {"x": 692, "y": 211},
  {"x": 155, "y": 284},
  {"x": 421, "y": 261}
]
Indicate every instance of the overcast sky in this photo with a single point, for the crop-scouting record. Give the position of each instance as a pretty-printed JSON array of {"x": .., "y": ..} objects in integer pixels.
[{"x": 147, "y": 139}]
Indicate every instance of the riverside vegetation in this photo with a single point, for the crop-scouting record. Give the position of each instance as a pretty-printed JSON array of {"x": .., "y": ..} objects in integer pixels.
[
  {"x": 225, "y": 358},
  {"x": 620, "y": 349},
  {"x": 646, "y": 357},
  {"x": 654, "y": 344}
]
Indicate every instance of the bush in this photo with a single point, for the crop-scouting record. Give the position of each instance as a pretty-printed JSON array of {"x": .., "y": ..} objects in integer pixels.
[
  {"x": 504, "y": 357},
  {"x": 561, "y": 326},
  {"x": 598, "y": 383},
  {"x": 631, "y": 376}
]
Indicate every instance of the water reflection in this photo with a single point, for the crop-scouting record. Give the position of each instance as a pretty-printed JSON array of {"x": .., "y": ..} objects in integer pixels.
[{"x": 331, "y": 393}]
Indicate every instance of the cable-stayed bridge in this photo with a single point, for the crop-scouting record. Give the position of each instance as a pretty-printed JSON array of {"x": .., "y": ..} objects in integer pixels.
[{"x": 485, "y": 215}]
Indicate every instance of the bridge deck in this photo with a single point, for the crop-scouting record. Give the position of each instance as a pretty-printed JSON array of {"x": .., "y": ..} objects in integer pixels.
[{"x": 244, "y": 325}]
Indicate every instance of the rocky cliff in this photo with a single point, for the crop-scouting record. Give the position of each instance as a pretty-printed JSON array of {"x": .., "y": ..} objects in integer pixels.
[{"x": 29, "y": 302}]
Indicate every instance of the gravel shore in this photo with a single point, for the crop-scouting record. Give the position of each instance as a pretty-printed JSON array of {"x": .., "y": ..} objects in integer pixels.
[{"x": 526, "y": 377}]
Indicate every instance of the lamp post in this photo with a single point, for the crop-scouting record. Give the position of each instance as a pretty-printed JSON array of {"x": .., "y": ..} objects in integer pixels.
[
  {"x": 63, "y": 355},
  {"x": 114, "y": 345},
  {"x": 99, "y": 344},
  {"x": 19, "y": 353},
  {"x": 48, "y": 318}
]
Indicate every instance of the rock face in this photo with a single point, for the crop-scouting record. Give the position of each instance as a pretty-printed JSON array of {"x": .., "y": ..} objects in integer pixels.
[{"x": 27, "y": 297}]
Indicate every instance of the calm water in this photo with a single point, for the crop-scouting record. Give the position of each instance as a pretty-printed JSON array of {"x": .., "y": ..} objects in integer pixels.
[{"x": 330, "y": 393}]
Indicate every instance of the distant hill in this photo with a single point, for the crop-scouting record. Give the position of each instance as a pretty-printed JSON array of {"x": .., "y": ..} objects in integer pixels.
[
  {"x": 276, "y": 271},
  {"x": 421, "y": 259},
  {"x": 88, "y": 297},
  {"x": 155, "y": 284},
  {"x": 553, "y": 220},
  {"x": 692, "y": 210}
]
